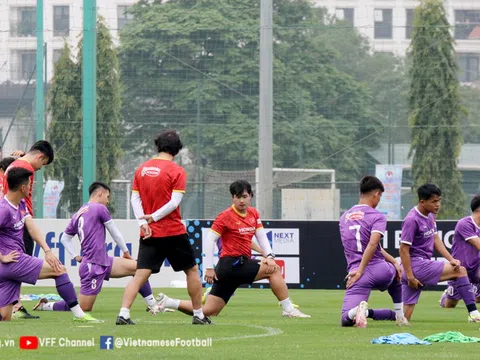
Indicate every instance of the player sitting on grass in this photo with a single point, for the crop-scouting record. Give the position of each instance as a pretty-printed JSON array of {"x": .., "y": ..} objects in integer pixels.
[
  {"x": 16, "y": 266},
  {"x": 466, "y": 247},
  {"x": 419, "y": 238},
  {"x": 369, "y": 265},
  {"x": 256, "y": 248},
  {"x": 89, "y": 223},
  {"x": 237, "y": 225}
]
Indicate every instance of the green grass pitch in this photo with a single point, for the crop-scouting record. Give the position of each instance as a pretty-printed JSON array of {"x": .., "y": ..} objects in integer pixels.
[{"x": 250, "y": 327}]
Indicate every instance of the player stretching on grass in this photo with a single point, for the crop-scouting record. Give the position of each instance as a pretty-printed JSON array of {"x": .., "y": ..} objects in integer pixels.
[
  {"x": 15, "y": 265},
  {"x": 369, "y": 265},
  {"x": 466, "y": 247},
  {"x": 419, "y": 238},
  {"x": 236, "y": 226},
  {"x": 89, "y": 224}
]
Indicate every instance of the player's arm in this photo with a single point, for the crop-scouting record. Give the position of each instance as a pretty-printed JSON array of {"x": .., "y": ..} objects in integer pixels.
[
  {"x": 67, "y": 241},
  {"x": 389, "y": 258},
  {"x": 475, "y": 242},
  {"x": 212, "y": 239},
  {"x": 366, "y": 257},
  {"x": 166, "y": 209},
  {"x": 442, "y": 250},
  {"x": 256, "y": 248},
  {"x": 37, "y": 236},
  {"x": 137, "y": 207},
  {"x": 117, "y": 237}
]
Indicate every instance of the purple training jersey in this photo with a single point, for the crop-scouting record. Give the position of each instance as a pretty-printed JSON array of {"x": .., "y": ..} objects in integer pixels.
[
  {"x": 356, "y": 227},
  {"x": 418, "y": 231},
  {"x": 89, "y": 224},
  {"x": 462, "y": 250},
  {"x": 12, "y": 222}
]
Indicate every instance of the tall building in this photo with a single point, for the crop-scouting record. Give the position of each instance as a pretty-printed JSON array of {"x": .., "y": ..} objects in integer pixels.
[
  {"x": 388, "y": 25},
  {"x": 63, "y": 21}
]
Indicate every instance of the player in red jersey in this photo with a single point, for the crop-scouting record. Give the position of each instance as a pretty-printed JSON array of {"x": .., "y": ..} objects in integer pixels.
[
  {"x": 39, "y": 155},
  {"x": 157, "y": 191},
  {"x": 237, "y": 225},
  {"x": 4, "y": 164}
]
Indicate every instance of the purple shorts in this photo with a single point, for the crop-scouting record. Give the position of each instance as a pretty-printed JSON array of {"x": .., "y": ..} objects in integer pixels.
[
  {"x": 377, "y": 276},
  {"x": 93, "y": 275},
  {"x": 453, "y": 294},
  {"x": 26, "y": 270},
  {"x": 427, "y": 271}
]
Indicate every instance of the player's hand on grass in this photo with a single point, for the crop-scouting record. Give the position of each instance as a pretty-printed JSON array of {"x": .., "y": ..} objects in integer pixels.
[
  {"x": 53, "y": 261},
  {"x": 127, "y": 255},
  {"x": 210, "y": 276},
  {"x": 146, "y": 230},
  {"x": 149, "y": 218},
  {"x": 17, "y": 153},
  {"x": 456, "y": 264},
  {"x": 11, "y": 257},
  {"x": 352, "y": 277},
  {"x": 414, "y": 283},
  {"x": 78, "y": 258}
]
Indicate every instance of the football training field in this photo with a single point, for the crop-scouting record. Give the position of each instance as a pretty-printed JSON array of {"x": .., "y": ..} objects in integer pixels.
[{"x": 249, "y": 328}]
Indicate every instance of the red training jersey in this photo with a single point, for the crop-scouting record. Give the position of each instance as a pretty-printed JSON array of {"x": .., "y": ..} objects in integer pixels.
[
  {"x": 20, "y": 163},
  {"x": 155, "y": 180},
  {"x": 2, "y": 193},
  {"x": 237, "y": 231}
]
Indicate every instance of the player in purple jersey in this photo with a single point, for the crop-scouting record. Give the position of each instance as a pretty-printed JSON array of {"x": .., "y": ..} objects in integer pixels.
[
  {"x": 90, "y": 223},
  {"x": 15, "y": 265},
  {"x": 466, "y": 247},
  {"x": 419, "y": 238},
  {"x": 369, "y": 266}
]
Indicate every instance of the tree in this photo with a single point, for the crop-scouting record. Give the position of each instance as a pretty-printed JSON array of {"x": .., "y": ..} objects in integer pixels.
[
  {"x": 193, "y": 65},
  {"x": 435, "y": 108},
  {"x": 66, "y": 126},
  {"x": 65, "y": 129}
]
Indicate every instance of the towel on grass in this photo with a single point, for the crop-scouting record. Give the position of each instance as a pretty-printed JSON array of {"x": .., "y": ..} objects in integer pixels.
[
  {"x": 452, "y": 336},
  {"x": 400, "y": 339}
]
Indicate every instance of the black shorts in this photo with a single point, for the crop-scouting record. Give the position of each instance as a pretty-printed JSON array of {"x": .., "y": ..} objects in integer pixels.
[
  {"x": 176, "y": 249},
  {"x": 232, "y": 272},
  {"x": 28, "y": 241}
]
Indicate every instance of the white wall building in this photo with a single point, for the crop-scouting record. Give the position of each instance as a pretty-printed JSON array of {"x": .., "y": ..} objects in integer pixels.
[{"x": 388, "y": 24}]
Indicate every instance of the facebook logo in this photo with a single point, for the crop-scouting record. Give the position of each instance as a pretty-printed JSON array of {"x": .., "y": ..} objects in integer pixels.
[{"x": 106, "y": 342}]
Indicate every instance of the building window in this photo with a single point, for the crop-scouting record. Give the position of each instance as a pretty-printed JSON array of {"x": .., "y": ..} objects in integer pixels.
[
  {"x": 57, "y": 53},
  {"x": 123, "y": 16},
  {"x": 383, "y": 23},
  {"x": 469, "y": 65},
  {"x": 23, "y": 64},
  {"x": 23, "y": 21},
  {"x": 467, "y": 24},
  {"x": 61, "y": 20},
  {"x": 409, "y": 24},
  {"x": 345, "y": 14}
]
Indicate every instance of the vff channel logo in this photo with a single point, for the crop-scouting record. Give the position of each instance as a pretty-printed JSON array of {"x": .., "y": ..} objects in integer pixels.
[{"x": 106, "y": 342}]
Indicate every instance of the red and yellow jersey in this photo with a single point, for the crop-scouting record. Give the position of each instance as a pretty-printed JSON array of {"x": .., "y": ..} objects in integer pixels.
[
  {"x": 155, "y": 180},
  {"x": 20, "y": 163},
  {"x": 237, "y": 230}
]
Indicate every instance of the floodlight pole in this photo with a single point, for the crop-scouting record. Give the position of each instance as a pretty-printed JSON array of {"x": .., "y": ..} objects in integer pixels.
[
  {"x": 265, "y": 129},
  {"x": 39, "y": 105}
]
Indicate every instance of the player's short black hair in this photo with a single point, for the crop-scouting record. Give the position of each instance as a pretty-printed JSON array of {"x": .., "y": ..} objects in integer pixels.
[
  {"x": 475, "y": 204},
  {"x": 5, "y": 162},
  {"x": 17, "y": 177},
  {"x": 239, "y": 186},
  {"x": 97, "y": 185},
  {"x": 45, "y": 148},
  {"x": 369, "y": 183},
  {"x": 426, "y": 191},
  {"x": 169, "y": 141}
]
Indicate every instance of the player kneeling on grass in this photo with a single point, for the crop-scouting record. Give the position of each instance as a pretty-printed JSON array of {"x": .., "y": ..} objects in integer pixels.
[
  {"x": 369, "y": 265},
  {"x": 466, "y": 247},
  {"x": 16, "y": 266},
  {"x": 90, "y": 223},
  {"x": 419, "y": 238},
  {"x": 237, "y": 225}
]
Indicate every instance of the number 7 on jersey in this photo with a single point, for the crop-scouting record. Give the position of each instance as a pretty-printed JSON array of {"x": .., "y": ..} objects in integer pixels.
[{"x": 357, "y": 236}]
